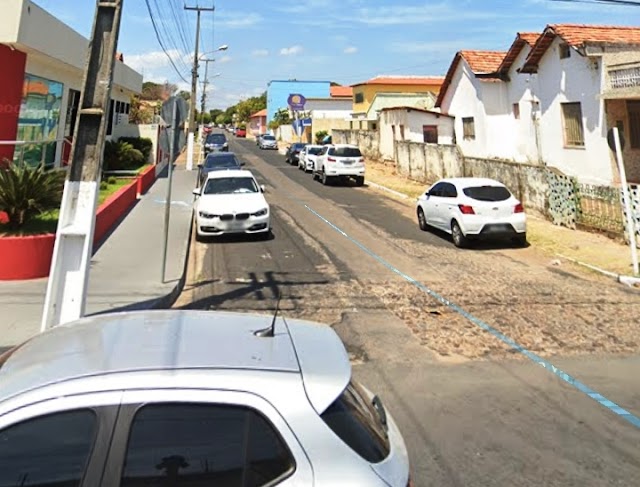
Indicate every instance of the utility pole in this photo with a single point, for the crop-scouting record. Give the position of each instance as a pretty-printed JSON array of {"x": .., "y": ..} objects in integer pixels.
[
  {"x": 69, "y": 277},
  {"x": 204, "y": 89},
  {"x": 194, "y": 86}
]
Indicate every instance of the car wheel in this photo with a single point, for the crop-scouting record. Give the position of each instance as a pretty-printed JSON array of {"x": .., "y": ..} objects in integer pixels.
[
  {"x": 325, "y": 179},
  {"x": 459, "y": 240},
  {"x": 521, "y": 240},
  {"x": 199, "y": 237},
  {"x": 314, "y": 173},
  {"x": 360, "y": 181},
  {"x": 422, "y": 220}
]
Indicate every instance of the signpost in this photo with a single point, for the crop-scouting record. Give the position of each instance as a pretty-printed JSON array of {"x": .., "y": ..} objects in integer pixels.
[
  {"x": 296, "y": 102},
  {"x": 616, "y": 144}
]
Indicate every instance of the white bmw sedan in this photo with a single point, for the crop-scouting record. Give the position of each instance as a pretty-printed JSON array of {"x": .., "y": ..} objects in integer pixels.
[
  {"x": 231, "y": 202},
  {"x": 472, "y": 208}
]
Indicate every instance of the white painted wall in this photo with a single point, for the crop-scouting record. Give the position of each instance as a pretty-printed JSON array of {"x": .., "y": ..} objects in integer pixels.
[
  {"x": 10, "y": 20},
  {"x": 413, "y": 122},
  {"x": 329, "y": 108},
  {"x": 574, "y": 79}
]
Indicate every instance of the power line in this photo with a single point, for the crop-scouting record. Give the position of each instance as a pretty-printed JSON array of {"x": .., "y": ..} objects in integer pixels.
[{"x": 628, "y": 3}]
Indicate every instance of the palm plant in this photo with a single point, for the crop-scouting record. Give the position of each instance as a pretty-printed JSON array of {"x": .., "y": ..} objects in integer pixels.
[{"x": 26, "y": 192}]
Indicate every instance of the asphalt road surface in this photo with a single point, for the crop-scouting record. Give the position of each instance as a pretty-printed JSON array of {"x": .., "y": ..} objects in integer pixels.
[{"x": 474, "y": 411}]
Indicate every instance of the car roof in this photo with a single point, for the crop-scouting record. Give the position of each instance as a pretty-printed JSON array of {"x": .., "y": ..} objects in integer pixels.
[
  {"x": 337, "y": 146},
  {"x": 213, "y": 155},
  {"x": 142, "y": 341},
  {"x": 230, "y": 173},
  {"x": 468, "y": 182}
]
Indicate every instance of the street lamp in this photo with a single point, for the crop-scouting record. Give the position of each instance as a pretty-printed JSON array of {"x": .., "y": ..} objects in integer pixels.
[
  {"x": 223, "y": 47},
  {"x": 204, "y": 92}
]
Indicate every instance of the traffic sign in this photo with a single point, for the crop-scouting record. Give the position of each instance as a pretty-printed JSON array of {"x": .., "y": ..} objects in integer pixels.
[{"x": 296, "y": 102}]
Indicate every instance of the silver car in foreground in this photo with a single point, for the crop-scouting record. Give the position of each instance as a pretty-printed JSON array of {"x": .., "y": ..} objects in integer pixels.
[{"x": 191, "y": 398}]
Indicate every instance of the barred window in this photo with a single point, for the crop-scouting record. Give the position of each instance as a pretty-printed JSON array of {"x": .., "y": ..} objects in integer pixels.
[
  {"x": 573, "y": 131},
  {"x": 468, "y": 128},
  {"x": 633, "y": 107}
]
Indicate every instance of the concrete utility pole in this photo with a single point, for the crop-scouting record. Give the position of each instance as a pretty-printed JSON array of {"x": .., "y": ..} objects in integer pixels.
[
  {"x": 69, "y": 277},
  {"x": 204, "y": 89}
]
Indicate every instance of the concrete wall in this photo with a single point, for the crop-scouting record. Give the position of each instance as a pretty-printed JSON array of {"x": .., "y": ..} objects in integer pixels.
[
  {"x": 10, "y": 21},
  {"x": 328, "y": 124},
  {"x": 367, "y": 140},
  {"x": 148, "y": 131}
]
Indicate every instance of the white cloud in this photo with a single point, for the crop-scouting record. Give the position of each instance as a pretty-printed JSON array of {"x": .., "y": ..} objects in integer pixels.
[
  {"x": 238, "y": 20},
  {"x": 150, "y": 61},
  {"x": 351, "y": 50},
  {"x": 291, "y": 51},
  {"x": 260, "y": 53},
  {"x": 224, "y": 59}
]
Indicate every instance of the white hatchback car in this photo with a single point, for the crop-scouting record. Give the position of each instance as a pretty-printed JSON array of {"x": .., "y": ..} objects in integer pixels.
[
  {"x": 339, "y": 161},
  {"x": 192, "y": 398},
  {"x": 472, "y": 208},
  {"x": 307, "y": 157},
  {"x": 231, "y": 202}
]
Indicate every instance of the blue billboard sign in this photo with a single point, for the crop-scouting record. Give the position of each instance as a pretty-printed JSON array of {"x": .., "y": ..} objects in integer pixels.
[{"x": 296, "y": 102}]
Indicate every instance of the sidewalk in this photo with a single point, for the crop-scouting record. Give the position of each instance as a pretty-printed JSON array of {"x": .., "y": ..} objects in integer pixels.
[
  {"x": 125, "y": 271},
  {"x": 558, "y": 242}
]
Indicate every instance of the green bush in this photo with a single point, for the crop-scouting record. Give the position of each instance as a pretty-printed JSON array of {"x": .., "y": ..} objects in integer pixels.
[
  {"x": 112, "y": 180},
  {"x": 321, "y": 134},
  {"x": 104, "y": 185},
  {"x": 143, "y": 144},
  {"x": 26, "y": 192},
  {"x": 122, "y": 156}
]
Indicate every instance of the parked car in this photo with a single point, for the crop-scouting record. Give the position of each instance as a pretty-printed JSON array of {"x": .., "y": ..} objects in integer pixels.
[
  {"x": 307, "y": 157},
  {"x": 339, "y": 162},
  {"x": 218, "y": 161},
  {"x": 258, "y": 138},
  {"x": 268, "y": 141},
  {"x": 216, "y": 143},
  {"x": 231, "y": 202},
  {"x": 192, "y": 398},
  {"x": 472, "y": 208},
  {"x": 240, "y": 132},
  {"x": 293, "y": 151}
]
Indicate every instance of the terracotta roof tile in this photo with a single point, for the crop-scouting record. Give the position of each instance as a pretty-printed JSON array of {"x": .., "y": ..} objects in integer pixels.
[
  {"x": 522, "y": 39},
  {"x": 529, "y": 37},
  {"x": 341, "y": 91},
  {"x": 577, "y": 35},
  {"x": 404, "y": 80},
  {"x": 261, "y": 113},
  {"x": 483, "y": 61}
]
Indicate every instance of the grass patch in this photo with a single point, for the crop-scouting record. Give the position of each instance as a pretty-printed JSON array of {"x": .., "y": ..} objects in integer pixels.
[
  {"x": 47, "y": 222},
  {"x": 386, "y": 176},
  {"x": 142, "y": 169}
]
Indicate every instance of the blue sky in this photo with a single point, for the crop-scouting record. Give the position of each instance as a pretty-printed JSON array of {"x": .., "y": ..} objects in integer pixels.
[{"x": 346, "y": 41}]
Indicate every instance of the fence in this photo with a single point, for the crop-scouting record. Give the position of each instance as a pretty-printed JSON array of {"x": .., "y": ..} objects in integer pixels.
[{"x": 38, "y": 152}]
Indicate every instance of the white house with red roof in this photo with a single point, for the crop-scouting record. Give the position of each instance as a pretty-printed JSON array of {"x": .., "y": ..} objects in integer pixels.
[{"x": 550, "y": 100}]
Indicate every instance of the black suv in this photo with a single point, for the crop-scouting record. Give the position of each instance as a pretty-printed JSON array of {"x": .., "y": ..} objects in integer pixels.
[
  {"x": 293, "y": 152},
  {"x": 216, "y": 143}
]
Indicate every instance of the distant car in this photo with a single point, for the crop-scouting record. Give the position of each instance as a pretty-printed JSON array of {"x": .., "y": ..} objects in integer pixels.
[
  {"x": 192, "y": 398},
  {"x": 240, "y": 132},
  {"x": 339, "y": 162},
  {"x": 307, "y": 157},
  {"x": 268, "y": 142},
  {"x": 472, "y": 208},
  {"x": 231, "y": 202},
  {"x": 216, "y": 143},
  {"x": 258, "y": 137},
  {"x": 218, "y": 161},
  {"x": 293, "y": 152}
]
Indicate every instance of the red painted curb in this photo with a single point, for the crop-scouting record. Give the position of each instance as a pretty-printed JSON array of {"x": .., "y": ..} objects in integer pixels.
[
  {"x": 29, "y": 257},
  {"x": 146, "y": 179}
]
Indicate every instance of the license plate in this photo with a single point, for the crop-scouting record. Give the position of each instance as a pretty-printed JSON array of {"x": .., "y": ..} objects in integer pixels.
[{"x": 347, "y": 161}]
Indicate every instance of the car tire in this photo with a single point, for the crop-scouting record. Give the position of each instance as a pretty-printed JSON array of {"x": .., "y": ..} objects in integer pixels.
[
  {"x": 422, "y": 220},
  {"x": 459, "y": 239},
  {"x": 360, "y": 181},
  {"x": 199, "y": 238},
  {"x": 520, "y": 240},
  {"x": 326, "y": 180},
  {"x": 314, "y": 173}
]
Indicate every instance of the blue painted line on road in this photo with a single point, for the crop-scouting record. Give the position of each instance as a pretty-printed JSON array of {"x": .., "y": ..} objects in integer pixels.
[{"x": 599, "y": 398}]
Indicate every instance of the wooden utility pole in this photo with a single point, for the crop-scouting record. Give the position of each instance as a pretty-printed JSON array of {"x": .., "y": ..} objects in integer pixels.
[{"x": 69, "y": 277}]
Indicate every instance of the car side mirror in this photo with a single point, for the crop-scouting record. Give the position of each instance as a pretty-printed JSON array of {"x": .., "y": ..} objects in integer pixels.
[
  {"x": 262, "y": 188},
  {"x": 242, "y": 163},
  {"x": 196, "y": 191},
  {"x": 199, "y": 164}
]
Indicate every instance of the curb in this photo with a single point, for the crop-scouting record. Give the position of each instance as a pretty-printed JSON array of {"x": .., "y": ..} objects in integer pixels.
[
  {"x": 627, "y": 280},
  {"x": 388, "y": 190}
]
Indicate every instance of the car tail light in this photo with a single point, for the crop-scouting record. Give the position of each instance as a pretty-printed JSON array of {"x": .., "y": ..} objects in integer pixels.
[
  {"x": 519, "y": 208},
  {"x": 361, "y": 160},
  {"x": 331, "y": 159},
  {"x": 466, "y": 210}
]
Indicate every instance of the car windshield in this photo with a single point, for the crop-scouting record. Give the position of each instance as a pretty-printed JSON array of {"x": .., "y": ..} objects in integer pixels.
[
  {"x": 216, "y": 139},
  {"x": 345, "y": 152},
  {"x": 314, "y": 151},
  {"x": 222, "y": 161},
  {"x": 231, "y": 185},
  {"x": 268, "y": 137},
  {"x": 298, "y": 147},
  {"x": 487, "y": 193}
]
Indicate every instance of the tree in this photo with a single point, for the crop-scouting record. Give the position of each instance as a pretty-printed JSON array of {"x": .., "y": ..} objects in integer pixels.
[
  {"x": 184, "y": 94},
  {"x": 139, "y": 114},
  {"x": 215, "y": 112},
  {"x": 281, "y": 117}
]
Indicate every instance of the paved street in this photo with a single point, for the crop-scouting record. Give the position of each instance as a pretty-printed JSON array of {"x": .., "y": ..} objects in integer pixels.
[{"x": 473, "y": 410}]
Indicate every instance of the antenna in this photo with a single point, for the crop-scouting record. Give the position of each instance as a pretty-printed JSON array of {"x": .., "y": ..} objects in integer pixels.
[{"x": 270, "y": 330}]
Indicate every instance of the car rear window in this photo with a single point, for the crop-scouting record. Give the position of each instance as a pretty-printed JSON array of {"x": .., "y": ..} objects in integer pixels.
[
  {"x": 314, "y": 151},
  {"x": 268, "y": 137},
  {"x": 345, "y": 152},
  {"x": 353, "y": 418},
  {"x": 487, "y": 193},
  {"x": 216, "y": 139},
  {"x": 225, "y": 160}
]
